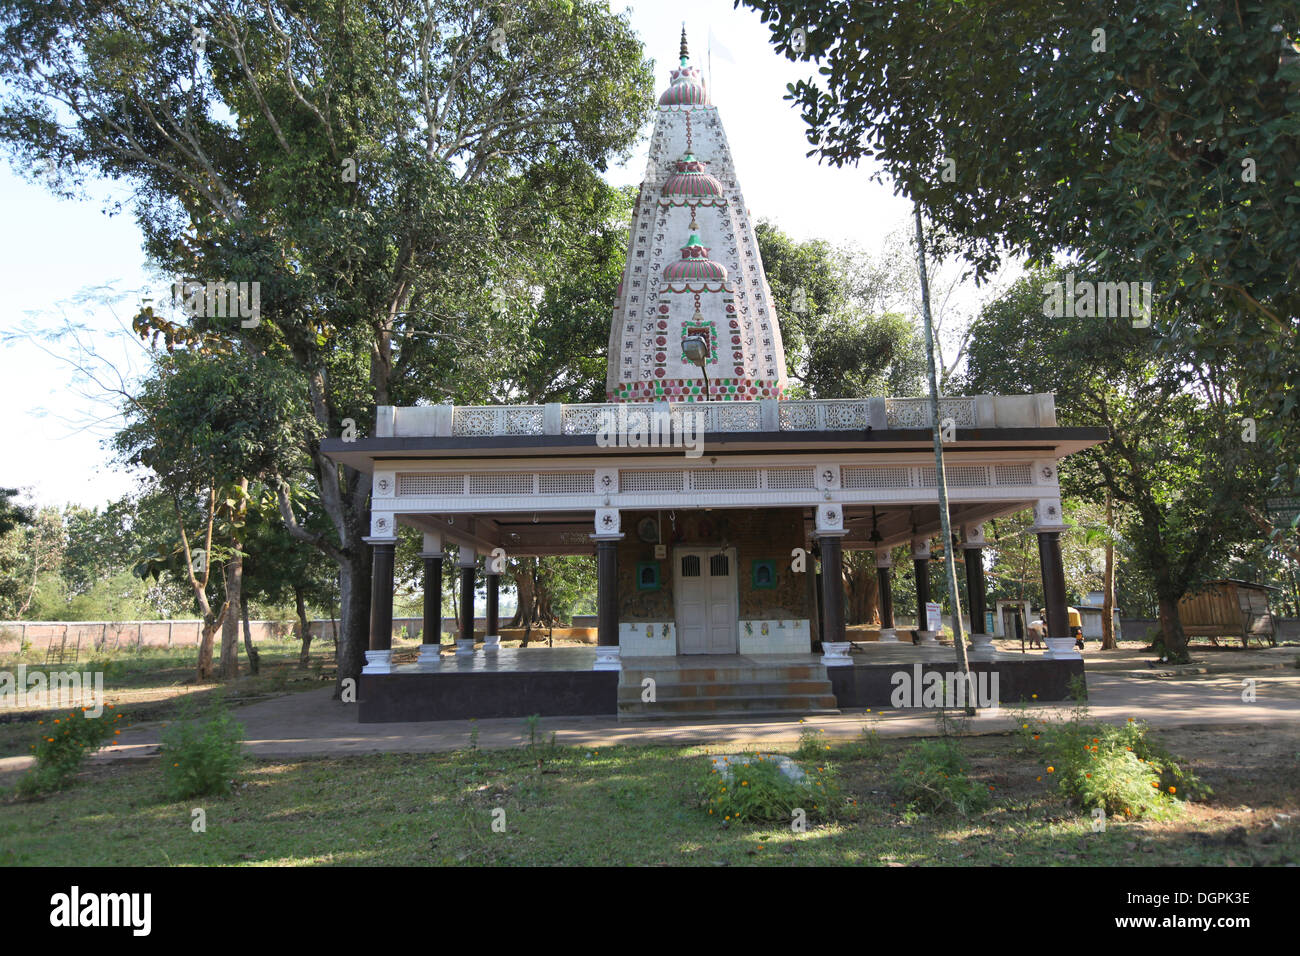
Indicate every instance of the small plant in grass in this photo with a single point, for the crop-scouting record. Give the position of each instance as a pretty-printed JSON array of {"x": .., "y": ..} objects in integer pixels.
[
  {"x": 868, "y": 745},
  {"x": 64, "y": 743},
  {"x": 759, "y": 791},
  {"x": 531, "y": 723},
  {"x": 812, "y": 744},
  {"x": 201, "y": 756},
  {"x": 932, "y": 778}
]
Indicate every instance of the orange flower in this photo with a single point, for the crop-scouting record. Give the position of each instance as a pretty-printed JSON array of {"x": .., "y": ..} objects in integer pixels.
[
  {"x": 1051, "y": 770},
  {"x": 1173, "y": 789}
]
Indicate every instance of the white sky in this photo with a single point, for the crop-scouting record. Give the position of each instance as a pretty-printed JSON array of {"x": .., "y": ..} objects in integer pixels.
[{"x": 56, "y": 248}]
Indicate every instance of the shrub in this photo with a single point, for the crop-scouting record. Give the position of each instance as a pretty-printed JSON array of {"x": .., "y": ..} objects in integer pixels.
[
  {"x": 201, "y": 757},
  {"x": 932, "y": 778},
  {"x": 1118, "y": 769},
  {"x": 759, "y": 791},
  {"x": 64, "y": 743}
]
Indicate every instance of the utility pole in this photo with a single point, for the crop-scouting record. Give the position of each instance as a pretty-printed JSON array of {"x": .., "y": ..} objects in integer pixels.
[{"x": 941, "y": 479}]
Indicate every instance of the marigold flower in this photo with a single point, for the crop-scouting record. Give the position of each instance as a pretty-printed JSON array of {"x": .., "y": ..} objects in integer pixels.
[
  {"x": 1051, "y": 770},
  {"x": 1173, "y": 789}
]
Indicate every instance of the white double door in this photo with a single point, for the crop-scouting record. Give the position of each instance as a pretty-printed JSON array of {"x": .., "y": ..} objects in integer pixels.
[{"x": 705, "y": 592}]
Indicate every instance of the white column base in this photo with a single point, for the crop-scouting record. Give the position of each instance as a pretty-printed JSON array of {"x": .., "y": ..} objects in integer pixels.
[
  {"x": 981, "y": 647},
  {"x": 607, "y": 658},
  {"x": 429, "y": 659},
  {"x": 378, "y": 662},
  {"x": 927, "y": 637},
  {"x": 1062, "y": 649},
  {"x": 836, "y": 653},
  {"x": 491, "y": 643},
  {"x": 888, "y": 635},
  {"x": 464, "y": 646}
]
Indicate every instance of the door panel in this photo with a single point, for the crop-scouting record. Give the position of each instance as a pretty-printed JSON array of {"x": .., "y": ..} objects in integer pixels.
[{"x": 706, "y": 601}]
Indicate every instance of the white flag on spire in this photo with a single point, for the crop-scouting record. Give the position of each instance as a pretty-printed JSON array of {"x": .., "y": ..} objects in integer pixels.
[{"x": 723, "y": 52}]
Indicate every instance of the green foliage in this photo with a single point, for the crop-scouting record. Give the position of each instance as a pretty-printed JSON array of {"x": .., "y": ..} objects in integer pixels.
[
  {"x": 1175, "y": 465},
  {"x": 201, "y": 756},
  {"x": 12, "y": 514},
  {"x": 64, "y": 743},
  {"x": 812, "y": 745},
  {"x": 932, "y": 777},
  {"x": 1169, "y": 153},
  {"x": 759, "y": 791},
  {"x": 1120, "y": 770},
  {"x": 843, "y": 335}
]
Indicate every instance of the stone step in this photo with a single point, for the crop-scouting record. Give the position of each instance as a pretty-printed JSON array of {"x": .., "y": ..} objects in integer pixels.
[
  {"x": 672, "y": 690},
  {"x": 788, "y": 704},
  {"x": 728, "y": 674}
]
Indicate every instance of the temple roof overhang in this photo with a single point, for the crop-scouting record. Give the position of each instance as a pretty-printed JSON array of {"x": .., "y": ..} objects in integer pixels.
[{"x": 364, "y": 454}]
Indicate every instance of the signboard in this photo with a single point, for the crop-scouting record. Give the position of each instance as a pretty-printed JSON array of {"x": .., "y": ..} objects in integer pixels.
[
  {"x": 1284, "y": 510},
  {"x": 933, "y": 618}
]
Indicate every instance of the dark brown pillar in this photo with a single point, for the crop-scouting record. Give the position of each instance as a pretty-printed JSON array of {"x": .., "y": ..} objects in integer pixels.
[
  {"x": 493, "y": 604},
  {"x": 975, "y": 596},
  {"x": 832, "y": 589},
  {"x": 381, "y": 597},
  {"x": 1049, "y": 557},
  {"x": 467, "y": 605},
  {"x": 432, "y": 600},
  {"x": 885, "y": 584},
  {"x": 607, "y": 592},
  {"x": 922, "y": 569}
]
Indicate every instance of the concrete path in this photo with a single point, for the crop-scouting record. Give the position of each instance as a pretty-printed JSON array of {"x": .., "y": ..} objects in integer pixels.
[{"x": 311, "y": 723}]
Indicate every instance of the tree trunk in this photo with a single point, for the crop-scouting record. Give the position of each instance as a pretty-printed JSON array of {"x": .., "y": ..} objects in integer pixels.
[
  {"x": 230, "y": 625},
  {"x": 203, "y": 672},
  {"x": 354, "y": 614},
  {"x": 254, "y": 664},
  {"x": 1108, "y": 583},
  {"x": 1171, "y": 628},
  {"x": 304, "y": 628}
]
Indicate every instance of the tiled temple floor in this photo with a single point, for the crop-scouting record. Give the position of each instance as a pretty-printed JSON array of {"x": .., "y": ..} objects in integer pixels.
[{"x": 541, "y": 659}]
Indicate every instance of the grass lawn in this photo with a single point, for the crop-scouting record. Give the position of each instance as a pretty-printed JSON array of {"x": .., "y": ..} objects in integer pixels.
[
  {"x": 638, "y": 806},
  {"x": 150, "y": 683}
]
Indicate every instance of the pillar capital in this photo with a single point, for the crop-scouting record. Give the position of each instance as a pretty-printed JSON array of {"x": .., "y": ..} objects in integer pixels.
[
  {"x": 973, "y": 536},
  {"x": 1048, "y": 516},
  {"x": 884, "y": 558},
  {"x": 468, "y": 557},
  {"x": 829, "y": 521},
  {"x": 432, "y": 545},
  {"x": 920, "y": 549},
  {"x": 608, "y": 523}
]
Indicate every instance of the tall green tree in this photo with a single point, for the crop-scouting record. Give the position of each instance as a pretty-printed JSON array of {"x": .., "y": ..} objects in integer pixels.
[
  {"x": 204, "y": 426},
  {"x": 393, "y": 174},
  {"x": 836, "y": 307},
  {"x": 1151, "y": 139},
  {"x": 1182, "y": 459}
]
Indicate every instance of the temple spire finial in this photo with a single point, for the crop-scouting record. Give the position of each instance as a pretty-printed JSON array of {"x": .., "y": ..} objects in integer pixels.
[{"x": 684, "y": 54}]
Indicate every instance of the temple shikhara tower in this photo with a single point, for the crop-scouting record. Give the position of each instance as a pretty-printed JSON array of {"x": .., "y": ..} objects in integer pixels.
[
  {"x": 716, "y": 509},
  {"x": 693, "y": 268}
]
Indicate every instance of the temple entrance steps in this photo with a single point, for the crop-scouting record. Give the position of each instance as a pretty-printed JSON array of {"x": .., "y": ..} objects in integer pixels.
[{"x": 722, "y": 686}]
